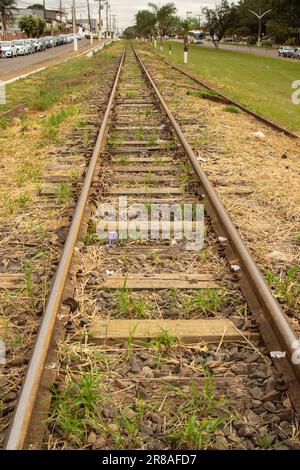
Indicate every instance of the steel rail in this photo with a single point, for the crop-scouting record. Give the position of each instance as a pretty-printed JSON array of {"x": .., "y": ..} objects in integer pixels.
[
  {"x": 244, "y": 108},
  {"x": 275, "y": 316},
  {"x": 25, "y": 405}
]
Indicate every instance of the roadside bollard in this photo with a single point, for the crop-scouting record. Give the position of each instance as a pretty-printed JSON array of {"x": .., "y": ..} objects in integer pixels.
[{"x": 185, "y": 49}]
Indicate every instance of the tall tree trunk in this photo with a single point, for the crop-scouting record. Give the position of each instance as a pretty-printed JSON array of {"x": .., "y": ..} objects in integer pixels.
[{"x": 3, "y": 21}]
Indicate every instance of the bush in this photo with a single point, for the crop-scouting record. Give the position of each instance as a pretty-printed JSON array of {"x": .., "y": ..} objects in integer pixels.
[
  {"x": 267, "y": 43},
  {"x": 290, "y": 42},
  {"x": 251, "y": 41}
]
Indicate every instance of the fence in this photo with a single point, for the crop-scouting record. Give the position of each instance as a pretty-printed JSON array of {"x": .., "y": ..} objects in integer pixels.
[{"x": 11, "y": 36}]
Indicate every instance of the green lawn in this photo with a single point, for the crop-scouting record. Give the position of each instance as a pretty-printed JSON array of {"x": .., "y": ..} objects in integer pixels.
[{"x": 263, "y": 84}]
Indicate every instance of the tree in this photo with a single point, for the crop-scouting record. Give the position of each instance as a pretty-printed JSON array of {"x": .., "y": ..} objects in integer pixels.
[
  {"x": 33, "y": 26},
  {"x": 145, "y": 22},
  {"x": 164, "y": 17},
  {"x": 130, "y": 32},
  {"x": 219, "y": 20},
  {"x": 36, "y": 6},
  {"x": 6, "y": 11}
]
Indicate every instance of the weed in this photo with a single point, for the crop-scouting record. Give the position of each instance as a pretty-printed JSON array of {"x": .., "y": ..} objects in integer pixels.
[
  {"x": 128, "y": 306},
  {"x": 208, "y": 302},
  {"x": 148, "y": 111},
  {"x": 75, "y": 408},
  {"x": 286, "y": 287},
  {"x": 12, "y": 204},
  {"x": 263, "y": 442},
  {"x": 163, "y": 341},
  {"x": 29, "y": 281},
  {"x": 232, "y": 109},
  {"x": 122, "y": 160},
  {"x": 140, "y": 134},
  {"x": 28, "y": 172},
  {"x": 63, "y": 193},
  {"x": 91, "y": 235},
  {"x": 115, "y": 141}
]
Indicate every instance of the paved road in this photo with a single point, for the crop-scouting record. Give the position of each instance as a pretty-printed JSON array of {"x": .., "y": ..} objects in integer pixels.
[
  {"x": 262, "y": 51},
  {"x": 17, "y": 64}
]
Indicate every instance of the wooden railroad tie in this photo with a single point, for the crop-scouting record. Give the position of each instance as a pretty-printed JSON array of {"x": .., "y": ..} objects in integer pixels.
[
  {"x": 157, "y": 281},
  {"x": 187, "y": 331}
]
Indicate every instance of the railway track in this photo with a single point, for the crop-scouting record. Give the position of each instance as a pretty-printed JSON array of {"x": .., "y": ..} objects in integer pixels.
[{"x": 153, "y": 341}]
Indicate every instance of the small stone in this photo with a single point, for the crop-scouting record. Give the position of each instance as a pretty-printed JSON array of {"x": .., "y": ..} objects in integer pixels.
[
  {"x": 252, "y": 357},
  {"x": 145, "y": 429},
  {"x": 11, "y": 396},
  {"x": 147, "y": 372},
  {"x": 114, "y": 427},
  {"x": 128, "y": 413},
  {"x": 269, "y": 406},
  {"x": 156, "y": 418},
  {"x": 253, "y": 418},
  {"x": 100, "y": 443},
  {"x": 274, "y": 394},
  {"x": 287, "y": 427},
  {"x": 256, "y": 393},
  {"x": 120, "y": 383},
  {"x": 258, "y": 375},
  {"x": 135, "y": 366},
  {"x": 246, "y": 431},
  {"x": 92, "y": 438}
]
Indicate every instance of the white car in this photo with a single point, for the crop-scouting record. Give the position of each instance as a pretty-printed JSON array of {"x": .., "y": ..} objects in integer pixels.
[
  {"x": 285, "y": 51},
  {"x": 22, "y": 47},
  {"x": 7, "y": 49}
]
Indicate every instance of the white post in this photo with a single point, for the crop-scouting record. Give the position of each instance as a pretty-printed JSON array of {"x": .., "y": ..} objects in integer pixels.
[
  {"x": 155, "y": 43},
  {"x": 185, "y": 59},
  {"x": 74, "y": 27},
  {"x": 92, "y": 38}
]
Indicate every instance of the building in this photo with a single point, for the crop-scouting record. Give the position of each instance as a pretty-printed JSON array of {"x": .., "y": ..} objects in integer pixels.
[{"x": 55, "y": 19}]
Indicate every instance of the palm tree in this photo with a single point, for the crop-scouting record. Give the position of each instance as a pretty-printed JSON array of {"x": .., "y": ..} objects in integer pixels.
[
  {"x": 6, "y": 11},
  {"x": 164, "y": 16}
]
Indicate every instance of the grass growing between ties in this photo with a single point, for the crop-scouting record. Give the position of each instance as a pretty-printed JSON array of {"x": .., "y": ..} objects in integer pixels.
[
  {"x": 286, "y": 286},
  {"x": 263, "y": 84}
]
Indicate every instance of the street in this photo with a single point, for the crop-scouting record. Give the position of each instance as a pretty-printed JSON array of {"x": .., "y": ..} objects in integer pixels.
[
  {"x": 21, "y": 64},
  {"x": 262, "y": 51}
]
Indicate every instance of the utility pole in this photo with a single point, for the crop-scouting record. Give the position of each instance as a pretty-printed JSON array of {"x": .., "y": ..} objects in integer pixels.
[
  {"x": 110, "y": 35},
  {"x": 107, "y": 7},
  {"x": 260, "y": 17},
  {"x": 60, "y": 9},
  {"x": 74, "y": 26},
  {"x": 90, "y": 22},
  {"x": 114, "y": 20},
  {"x": 100, "y": 20}
]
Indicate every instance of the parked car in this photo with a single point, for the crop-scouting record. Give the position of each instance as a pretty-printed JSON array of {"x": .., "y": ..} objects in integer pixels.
[
  {"x": 22, "y": 47},
  {"x": 36, "y": 44},
  {"x": 7, "y": 49},
  {"x": 296, "y": 53},
  {"x": 285, "y": 51},
  {"x": 31, "y": 48}
]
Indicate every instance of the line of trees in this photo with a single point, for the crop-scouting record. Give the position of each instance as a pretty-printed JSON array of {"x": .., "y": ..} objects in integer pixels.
[{"x": 226, "y": 19}]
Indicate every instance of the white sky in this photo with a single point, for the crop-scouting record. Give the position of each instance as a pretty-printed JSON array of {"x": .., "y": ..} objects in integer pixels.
[{"x": 124, "y": 9}]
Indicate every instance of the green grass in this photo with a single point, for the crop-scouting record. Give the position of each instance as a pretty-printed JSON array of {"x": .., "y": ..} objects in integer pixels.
[
  {"x": 286, "y": 286},
  {"x": 263, "y": 84},
  {"x": 75, "y": 408}
]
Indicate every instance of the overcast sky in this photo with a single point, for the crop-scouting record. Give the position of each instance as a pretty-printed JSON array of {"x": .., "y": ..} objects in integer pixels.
[{"x": 124, "y": 9}]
